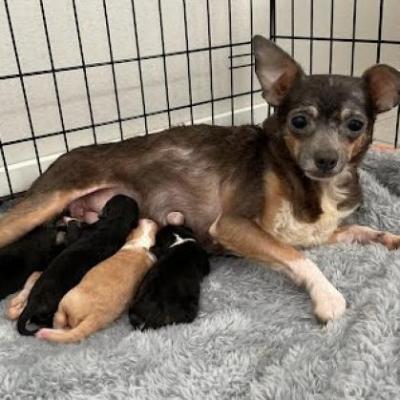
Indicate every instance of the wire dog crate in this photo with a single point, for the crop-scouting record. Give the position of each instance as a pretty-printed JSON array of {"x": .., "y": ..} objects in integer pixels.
[{"x": 77, "y": 72}]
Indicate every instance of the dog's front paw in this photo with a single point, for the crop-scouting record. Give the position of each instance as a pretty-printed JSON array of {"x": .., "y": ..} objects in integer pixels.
[
  {"x": 329, "y": 303},
  {"x": 391, "y": 241}
]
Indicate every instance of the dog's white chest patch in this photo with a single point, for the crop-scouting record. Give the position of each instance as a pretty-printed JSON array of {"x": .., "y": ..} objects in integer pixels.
[{"x": 288, "y": 229}]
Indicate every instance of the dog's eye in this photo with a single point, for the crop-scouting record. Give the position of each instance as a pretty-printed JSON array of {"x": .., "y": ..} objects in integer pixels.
[
  {"x": 355, "y": 125},
  {"x": 299, "y": 122}
]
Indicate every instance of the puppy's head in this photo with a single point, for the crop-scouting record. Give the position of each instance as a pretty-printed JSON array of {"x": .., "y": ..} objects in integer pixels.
[
  {"x": 325, "y": 121},
  {"x": 168, "y": 236},
  {"x": 120, "y": 206}
]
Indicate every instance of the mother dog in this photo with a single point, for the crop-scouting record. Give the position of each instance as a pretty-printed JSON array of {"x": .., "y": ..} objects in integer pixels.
[{"x": 258, "y": 192}]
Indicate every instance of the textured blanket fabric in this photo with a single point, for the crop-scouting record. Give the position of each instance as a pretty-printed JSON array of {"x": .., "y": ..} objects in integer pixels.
[{"x": 255, "y": 338}]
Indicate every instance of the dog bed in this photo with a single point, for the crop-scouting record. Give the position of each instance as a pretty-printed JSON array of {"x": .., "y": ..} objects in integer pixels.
[{"x": 255, "y": 338}]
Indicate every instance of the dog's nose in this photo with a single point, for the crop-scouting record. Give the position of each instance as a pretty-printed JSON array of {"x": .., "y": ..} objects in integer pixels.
[{"x": 326, "y": 160}]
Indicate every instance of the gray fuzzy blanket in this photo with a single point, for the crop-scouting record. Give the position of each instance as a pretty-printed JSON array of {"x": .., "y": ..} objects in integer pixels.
[{"x": 255, "y": 338}]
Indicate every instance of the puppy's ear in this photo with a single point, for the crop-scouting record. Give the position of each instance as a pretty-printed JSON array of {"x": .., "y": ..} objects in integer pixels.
[
  {"x": 275, "y": 69},
  {"x": 383, "y": 84}
]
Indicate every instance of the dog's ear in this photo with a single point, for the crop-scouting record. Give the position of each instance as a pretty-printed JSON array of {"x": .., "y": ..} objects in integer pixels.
[
  {"x": 275, "y": 69},
  {"x": 383, "y": 84}
]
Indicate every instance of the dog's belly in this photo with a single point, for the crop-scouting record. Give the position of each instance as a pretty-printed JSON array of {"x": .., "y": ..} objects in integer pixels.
[
  {"x": 199, "y": 209},
  {"x": 288, "y": 229},
  {"x": 87, "y": 208}
]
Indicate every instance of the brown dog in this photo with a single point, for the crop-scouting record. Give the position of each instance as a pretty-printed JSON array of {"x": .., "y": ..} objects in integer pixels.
[
  {"x": 258, "y": 192},
  {"x": 105, "y": 291}
]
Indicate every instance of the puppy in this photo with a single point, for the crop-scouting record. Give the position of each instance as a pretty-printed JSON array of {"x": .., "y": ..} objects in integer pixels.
[
  {"x": 98, "y": 242},
  {"x": 105, "y": 291},
  {"x": 260, "y": 192},
  {"x": 170, "y": 290},
  {"x": 34, "y": 252},
  {"x": 68, "y": 231}
]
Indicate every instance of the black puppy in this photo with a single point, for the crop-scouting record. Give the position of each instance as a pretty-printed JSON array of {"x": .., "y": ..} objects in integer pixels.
[
  {"x": 34, "y": 252},
  {"x": 97, "y": 242},
  {"x": 170, "y": 291}
]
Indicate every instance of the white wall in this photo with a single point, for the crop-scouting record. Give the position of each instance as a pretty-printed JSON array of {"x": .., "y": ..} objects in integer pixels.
[{"x": 34, "y": 56}]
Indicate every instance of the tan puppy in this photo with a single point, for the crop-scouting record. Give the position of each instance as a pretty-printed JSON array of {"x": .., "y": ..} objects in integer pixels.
[{"x": 105, "y": 291}]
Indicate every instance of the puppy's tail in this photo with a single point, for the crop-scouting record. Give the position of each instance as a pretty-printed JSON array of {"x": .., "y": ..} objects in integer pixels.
[
  {"x": 85, "y": 328},
  {"x": 136, "y": 321},
  {"x": 24, "y": 325}
]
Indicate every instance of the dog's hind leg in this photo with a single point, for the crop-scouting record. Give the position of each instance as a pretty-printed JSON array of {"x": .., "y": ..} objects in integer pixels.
[
  {"x": 18, "y": 302},
  {"x": 35, "y": 209},
  {"x": 30, "y": 212}
]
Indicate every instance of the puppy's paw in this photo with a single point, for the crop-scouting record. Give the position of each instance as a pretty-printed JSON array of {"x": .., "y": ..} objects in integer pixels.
[
  {"x": 18, "y": 302},
  {"x": 144, "y": 235},
  {"x": 17, "y": 305},
  {"x": 329, "y": 303}
]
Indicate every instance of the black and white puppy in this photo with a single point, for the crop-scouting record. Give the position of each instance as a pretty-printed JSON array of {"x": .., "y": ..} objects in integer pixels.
[
  {"x": 34, "y": 252},
  {"x": 170, "y": 291},
  {"x": 96, "y": 243}
]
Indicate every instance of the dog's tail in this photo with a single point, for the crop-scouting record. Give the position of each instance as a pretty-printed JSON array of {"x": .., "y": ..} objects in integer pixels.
[{"x": 85, "y": 328}]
